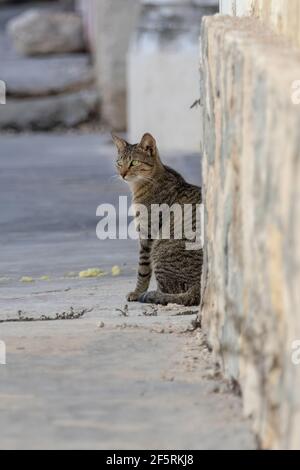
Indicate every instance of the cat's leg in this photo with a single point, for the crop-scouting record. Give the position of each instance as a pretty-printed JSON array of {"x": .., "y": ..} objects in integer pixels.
[
  {"x": 144, "y": 271},
  {"x": 189, "y": 298}
]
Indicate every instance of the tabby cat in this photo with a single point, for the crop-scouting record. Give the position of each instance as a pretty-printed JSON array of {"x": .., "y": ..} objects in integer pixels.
[{"x": 177, "y": 270}]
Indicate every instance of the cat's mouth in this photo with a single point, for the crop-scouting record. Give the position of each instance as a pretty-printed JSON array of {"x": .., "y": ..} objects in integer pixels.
[{"x": 130, "y": 178}]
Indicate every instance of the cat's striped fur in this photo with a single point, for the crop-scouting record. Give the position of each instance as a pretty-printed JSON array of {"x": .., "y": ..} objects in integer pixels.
[{"x": 177, "y": 270}]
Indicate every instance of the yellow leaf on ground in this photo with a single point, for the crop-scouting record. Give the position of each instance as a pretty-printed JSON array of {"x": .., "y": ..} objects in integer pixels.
[
  {"x": 27, "y": 279},
  {"x": 116, "y": 271},
  {"x": 92, "y": 272}
]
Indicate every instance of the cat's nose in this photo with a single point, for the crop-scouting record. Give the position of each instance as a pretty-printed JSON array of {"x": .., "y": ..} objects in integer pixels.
[{"x": 124, "y": 173}]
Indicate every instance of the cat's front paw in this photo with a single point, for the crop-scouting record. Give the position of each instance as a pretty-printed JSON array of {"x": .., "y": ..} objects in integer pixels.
[
  {"x": 133, "y": 296},
  {"x": 153, "y": 297}
]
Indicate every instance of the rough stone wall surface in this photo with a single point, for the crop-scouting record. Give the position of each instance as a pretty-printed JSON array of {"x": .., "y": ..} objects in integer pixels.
[
  {"x": 251, "y": 173},
  {"x": 282, "y": 15}
]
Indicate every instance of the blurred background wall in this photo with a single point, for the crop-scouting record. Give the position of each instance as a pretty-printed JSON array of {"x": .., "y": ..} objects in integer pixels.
[
  {"x": 163, "y": 74},
  {"x": 126, "y": 65},
  {"x": 110, "y": 28},
  {"x": 147, "y": 66}
]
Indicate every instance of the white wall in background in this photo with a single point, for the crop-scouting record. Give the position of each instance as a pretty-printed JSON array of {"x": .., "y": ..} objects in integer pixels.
[
  {"x": 163, "y": 74},
  {"x": 162, "y": 88}
]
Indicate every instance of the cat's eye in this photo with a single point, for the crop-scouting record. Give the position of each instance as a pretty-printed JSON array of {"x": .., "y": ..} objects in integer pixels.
[
  {"x": 135, "y": 163},
  {"x": 119, "y": 163}
]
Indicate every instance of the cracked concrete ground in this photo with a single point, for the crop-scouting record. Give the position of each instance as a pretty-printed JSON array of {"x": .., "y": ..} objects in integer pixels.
[{"x": 105, "y": 380}]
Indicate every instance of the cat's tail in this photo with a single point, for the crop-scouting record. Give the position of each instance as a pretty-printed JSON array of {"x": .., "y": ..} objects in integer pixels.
[{"x": 189, "y": 298}]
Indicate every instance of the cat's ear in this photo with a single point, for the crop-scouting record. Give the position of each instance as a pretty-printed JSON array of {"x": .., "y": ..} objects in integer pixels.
[
  {"x": 121, "y": 144},
  {"x": 148, "y": 143}
]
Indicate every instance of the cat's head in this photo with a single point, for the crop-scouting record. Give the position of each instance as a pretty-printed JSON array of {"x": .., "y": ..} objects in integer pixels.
[{"x": 138, "y": 162}]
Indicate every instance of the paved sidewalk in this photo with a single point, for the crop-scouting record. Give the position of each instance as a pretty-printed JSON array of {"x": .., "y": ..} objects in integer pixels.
[{"x": 104, "y": 380}]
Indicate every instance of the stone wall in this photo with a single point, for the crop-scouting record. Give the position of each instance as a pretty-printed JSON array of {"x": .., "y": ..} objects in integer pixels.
[
  {"x": 251, "y": 173},
  {"x": 282, "y": 15}
]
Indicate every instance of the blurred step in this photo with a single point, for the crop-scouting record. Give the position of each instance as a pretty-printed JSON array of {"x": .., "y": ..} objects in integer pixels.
[
  {"x": 44, "y": 92},
  {"x": 30, "y": 77},
  {"x": 66, "y": 110}
]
